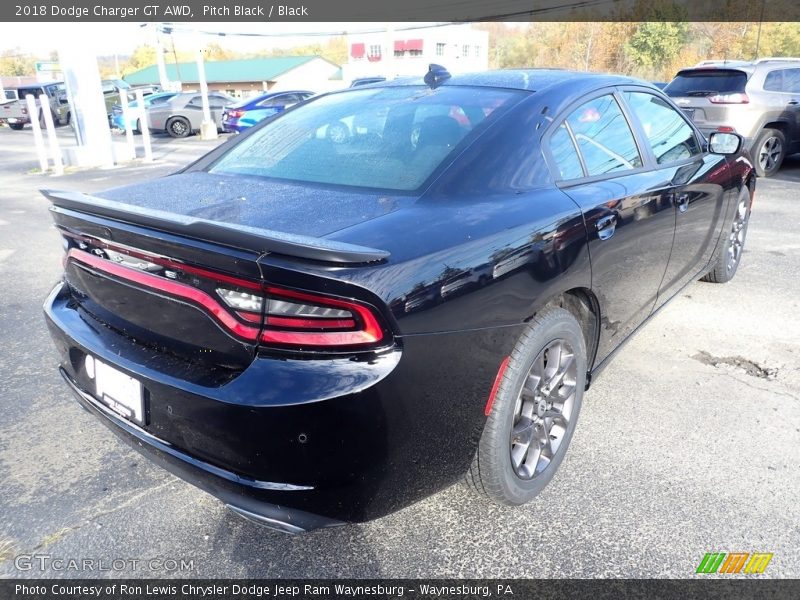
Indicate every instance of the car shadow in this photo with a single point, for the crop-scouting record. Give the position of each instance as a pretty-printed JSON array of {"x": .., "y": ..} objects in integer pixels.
[{"x": 790, "y": 171}]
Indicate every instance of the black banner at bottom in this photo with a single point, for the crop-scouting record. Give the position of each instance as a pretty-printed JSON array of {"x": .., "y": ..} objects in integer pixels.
[{"x": 244, "y": 589}]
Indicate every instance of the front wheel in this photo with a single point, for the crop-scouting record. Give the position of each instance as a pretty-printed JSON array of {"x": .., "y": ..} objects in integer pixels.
[
  {"x": 729, "y": 251},
  {"x": 534, "y": 413},
  {"x": 16, "y": 126},
  {"x": 770, "y": 150},
  {"x": 178, "y": 127}
]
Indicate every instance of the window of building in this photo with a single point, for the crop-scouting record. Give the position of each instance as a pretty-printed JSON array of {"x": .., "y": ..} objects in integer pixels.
[
  {"x": 415, "y": 52},
  {"x": 440, "y": 49},
  {"x": 374, "y": 51},
  {"x": 465, "y": 50},
  {"x": 477, "y": 51},
  {"x": 604, "y": 138}
]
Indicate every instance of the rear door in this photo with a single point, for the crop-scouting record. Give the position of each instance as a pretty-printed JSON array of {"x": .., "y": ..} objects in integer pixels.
[
  {"x": 688, "y": 178},
  {"x": 594, "y": 154}
]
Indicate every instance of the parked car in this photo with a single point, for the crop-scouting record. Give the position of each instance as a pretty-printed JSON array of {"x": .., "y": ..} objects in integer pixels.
[
  {"x": 182, "y": 114},
  {"x": 271, "y": 323},
  {"x": 359, "y": 81},
  {"x": 759, "y": 100},
  {"x": 15, "y": 112},
  {"x": 246, "y": 113},
  {"x": 134, "y": 119}
]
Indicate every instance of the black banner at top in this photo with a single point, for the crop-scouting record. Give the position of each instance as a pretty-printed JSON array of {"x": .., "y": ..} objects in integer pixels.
[{"x": 267, "y": 11}]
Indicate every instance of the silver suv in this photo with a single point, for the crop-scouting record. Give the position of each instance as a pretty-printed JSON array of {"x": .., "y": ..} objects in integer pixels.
[{"x": 759, "y": 100}]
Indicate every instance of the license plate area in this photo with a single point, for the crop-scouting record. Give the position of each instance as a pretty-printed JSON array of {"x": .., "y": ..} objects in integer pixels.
[
  {"x": 120, "y": 392},
  {"x": 689, "y": 112}
]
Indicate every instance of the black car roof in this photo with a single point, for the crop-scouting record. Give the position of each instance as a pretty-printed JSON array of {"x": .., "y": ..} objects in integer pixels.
[{"x": 532, "y": 80}]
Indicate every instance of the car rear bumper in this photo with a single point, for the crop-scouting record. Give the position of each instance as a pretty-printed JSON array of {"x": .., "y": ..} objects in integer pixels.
[{"x": 300, "y": 444}]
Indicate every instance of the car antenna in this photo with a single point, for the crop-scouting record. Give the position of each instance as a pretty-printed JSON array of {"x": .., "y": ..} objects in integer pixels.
[{"x": 436, "y": 75}]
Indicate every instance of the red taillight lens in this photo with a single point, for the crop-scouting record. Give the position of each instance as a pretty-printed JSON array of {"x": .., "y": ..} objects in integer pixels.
[
  {"x": 270, "y": 315},
  {"x": 736, "y": 98},
  {"x": 235, "y": 114},
  {"x": 726, "y": 129},
  {"x": 303, "y": 319}
]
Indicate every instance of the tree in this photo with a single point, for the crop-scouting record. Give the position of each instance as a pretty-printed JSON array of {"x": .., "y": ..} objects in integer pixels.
[
  {"x": 15, "y": 62},
  {"x": 656, "y": 44}
]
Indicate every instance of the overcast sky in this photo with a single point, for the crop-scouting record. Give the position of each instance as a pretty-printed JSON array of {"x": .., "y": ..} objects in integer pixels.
[{"x": 122, "y": 38}]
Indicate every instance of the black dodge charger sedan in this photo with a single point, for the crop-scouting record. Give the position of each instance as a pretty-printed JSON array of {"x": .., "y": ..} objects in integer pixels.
[{"x": 378, "y": 292}]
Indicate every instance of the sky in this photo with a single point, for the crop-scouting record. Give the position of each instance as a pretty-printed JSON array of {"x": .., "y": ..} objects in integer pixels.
[{"x": 109, "y": 38}]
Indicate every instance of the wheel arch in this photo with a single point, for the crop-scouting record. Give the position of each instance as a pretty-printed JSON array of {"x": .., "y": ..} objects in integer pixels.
[{"x": 582, "y": 303}]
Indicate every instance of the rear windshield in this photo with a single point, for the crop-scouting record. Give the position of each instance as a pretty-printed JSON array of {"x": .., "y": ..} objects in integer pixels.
[
  {"x": 707, "y": 83},
  {"x": 390, "y": 138}
]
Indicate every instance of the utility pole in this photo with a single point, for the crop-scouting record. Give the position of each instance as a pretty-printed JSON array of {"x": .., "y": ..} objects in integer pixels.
[{"x": 208, "y": 128}]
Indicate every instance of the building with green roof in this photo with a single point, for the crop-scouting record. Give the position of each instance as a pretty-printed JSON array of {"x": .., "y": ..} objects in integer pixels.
[{"x": 245, "y": 77}]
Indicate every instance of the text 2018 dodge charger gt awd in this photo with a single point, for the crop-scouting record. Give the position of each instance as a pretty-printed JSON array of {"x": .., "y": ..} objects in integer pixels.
[{"x": 358, "y": 302}]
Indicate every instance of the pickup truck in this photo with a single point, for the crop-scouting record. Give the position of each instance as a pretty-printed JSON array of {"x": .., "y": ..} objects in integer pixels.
[{"x": 14, "y": 107}]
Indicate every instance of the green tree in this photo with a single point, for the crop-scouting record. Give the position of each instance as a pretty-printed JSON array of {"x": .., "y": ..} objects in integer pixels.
[
  {"x": 654, "y": 44},
  {"x": 15, "y": 62}
]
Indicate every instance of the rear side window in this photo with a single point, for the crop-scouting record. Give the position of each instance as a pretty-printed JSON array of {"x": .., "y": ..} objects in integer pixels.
[
  {"x": 667, "y": 132},
  {"x": 783, "y": 80},
  {"x": 708, "y": 82},
  {"x": 565, "y": 154},
  {"x": 604, "y": 138},
  {"x": 389, "y": 137}
]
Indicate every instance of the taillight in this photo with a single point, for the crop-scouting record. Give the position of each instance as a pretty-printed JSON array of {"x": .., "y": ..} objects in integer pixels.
[
  {"x": 303, "y": 319},
  {"x": 726, "y": 129},
  {"x": 24, "y": 111},
  {"x": 270, "y": 315},
  {"x": 736, "y": 98},
  {"x": 234, "y": 114}
]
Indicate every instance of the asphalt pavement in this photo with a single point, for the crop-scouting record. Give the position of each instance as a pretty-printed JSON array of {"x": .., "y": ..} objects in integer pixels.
[{"x": 688, "y": 443}]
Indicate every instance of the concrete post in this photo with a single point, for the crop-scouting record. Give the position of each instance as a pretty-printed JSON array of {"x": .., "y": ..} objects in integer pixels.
[
  {"x": 55, "y": 150},
  {"x": 208, "y": 128},
  {"x": 126, "y": 119},
  {"x": 148, "y": 149},
  {"x": 41, "y": 152},
  {"x": 79, "y": 64},
  {"x": 163, "y": 79}
]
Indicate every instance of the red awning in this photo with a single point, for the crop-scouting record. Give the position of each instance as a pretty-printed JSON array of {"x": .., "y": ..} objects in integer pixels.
[
  {"x": 357, "y": 50},
  {"x": 399, "y": 46},
  {"x": 414, "y": 45}
]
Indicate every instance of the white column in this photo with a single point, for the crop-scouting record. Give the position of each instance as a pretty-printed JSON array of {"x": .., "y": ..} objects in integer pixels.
[
  {"x": 41, "y": 152},
  {"x": 162, "y": 68},
  {"x": 208, "y": 128},
  {"x": 55, "y": 150},
  {"x": 79, "y": 64},
  {"x": 148, "y": 149},
  {"x": 126, "y": 114}
]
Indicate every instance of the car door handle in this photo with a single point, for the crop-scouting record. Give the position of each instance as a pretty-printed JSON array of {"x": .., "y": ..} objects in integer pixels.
[
  {"x": 606, "y": 226},
  {"x": 794, "y": 102},
  {"x": 681, "y": 201}
]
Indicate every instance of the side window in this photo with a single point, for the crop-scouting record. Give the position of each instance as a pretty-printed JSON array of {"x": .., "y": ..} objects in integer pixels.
[
  {"x": 791, "y": 81},
  {"x": 196, "y": 101},
  {"x": 604, "y": 139},
  {"x": 669, "y": 135},
  {"x": 774, "y": 81},
  {"x": 565, "y": 154}
]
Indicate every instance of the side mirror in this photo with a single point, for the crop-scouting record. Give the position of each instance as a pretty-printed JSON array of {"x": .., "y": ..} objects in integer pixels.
[{"x": 721, "y": 142}]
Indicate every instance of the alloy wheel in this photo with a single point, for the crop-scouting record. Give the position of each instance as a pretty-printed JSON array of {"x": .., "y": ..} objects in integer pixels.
[
  {"x": 543, "y": 410},
  {"x": 736, "y": 237},
  {"x": 178, "y": 127},
  {"x": 770, "y": 153}
]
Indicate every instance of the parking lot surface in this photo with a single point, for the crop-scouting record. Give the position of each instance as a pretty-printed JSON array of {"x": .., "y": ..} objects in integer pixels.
[{"x": 688, "y": 443}]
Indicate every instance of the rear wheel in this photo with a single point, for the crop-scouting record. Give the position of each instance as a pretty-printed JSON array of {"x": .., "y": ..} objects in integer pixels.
[
  {"x": 178, "y": 127},
  {"x": 16, "y": 126},
  {"x": 534, "y": 413},
  {"x": 769, "y": 152},
  {"x": 138, "y": 129},
  {"x": 729, "y": 252}
]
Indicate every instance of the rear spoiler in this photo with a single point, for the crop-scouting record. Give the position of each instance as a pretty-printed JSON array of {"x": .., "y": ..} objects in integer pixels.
[{"x": 239, "y": 236}]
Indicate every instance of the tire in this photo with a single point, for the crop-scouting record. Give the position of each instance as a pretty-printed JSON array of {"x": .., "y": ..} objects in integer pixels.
[
  {"x": 16, "y": 126},
  {"x": 178, "y": 127},
  {"x": 729, "y": 252},
  {"x": 505, "y": 469},
  {"x": 138, "y": 129},
  {"x": 769, "y": 152}
]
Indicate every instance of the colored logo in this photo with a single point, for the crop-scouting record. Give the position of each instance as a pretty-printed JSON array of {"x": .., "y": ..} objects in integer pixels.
[{"x": 734, "y": 562}]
